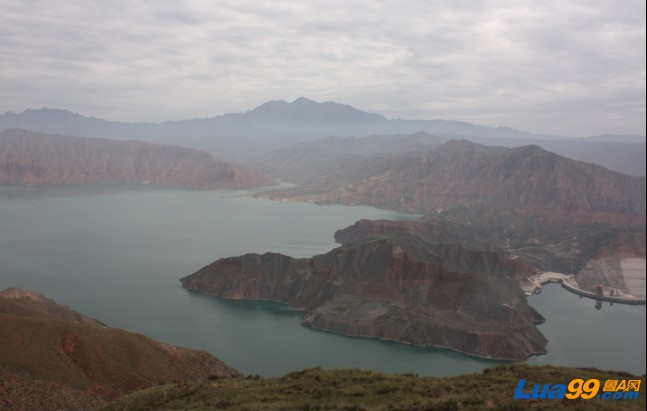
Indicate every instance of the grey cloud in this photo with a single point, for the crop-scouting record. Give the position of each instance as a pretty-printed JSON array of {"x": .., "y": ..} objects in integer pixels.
[{"x": 522, "y": 64}]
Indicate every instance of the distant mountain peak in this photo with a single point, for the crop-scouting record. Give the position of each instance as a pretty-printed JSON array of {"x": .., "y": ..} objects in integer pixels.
[
  {"x": 422, "y": 134},
  {"x": 50, "y": 111},
  {"x": 459, "y": 144},
  {"x": 304, "y": 100},
  {"x": 303, "y": 109}
]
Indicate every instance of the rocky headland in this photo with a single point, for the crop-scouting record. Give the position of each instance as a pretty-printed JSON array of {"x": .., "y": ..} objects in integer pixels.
[{"x": 398, "y": 288}]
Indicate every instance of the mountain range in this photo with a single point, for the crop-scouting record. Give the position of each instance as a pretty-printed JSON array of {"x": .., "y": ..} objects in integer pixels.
[
  {"x": 302, "y": 119},
  {"x": 241, "y": 137},
  {"x": 493, "y": 216}
]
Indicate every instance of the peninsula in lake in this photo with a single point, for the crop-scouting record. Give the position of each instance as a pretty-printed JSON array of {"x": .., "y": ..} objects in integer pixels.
[{"x": 398, "y": 288}]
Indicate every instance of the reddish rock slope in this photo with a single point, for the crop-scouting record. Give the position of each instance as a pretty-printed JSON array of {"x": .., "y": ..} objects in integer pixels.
[
  {"x": 54, "y": 358},
  {"x": 30, "y": 158},
  {"x": 518, "y": 181}
]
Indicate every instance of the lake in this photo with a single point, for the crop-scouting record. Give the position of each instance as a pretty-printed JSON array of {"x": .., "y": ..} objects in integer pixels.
[{"x": 116, "y": 253}]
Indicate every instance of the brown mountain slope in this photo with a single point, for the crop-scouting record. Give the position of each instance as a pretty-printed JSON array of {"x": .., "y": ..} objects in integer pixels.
[
  {"x": 54, "y": 358},
  {"x": 397, "y": 288},
  {"x": 570, "y": 248},
  {"x": 460, "y": 174},
  {"x": 30, "y": 158}
]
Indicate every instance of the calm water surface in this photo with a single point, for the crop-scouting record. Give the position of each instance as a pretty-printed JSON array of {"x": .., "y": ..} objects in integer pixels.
[{"x": 117, "y": 255}]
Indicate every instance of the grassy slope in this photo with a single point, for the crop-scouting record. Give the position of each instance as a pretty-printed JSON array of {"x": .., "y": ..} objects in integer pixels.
[{"x": 365, "y": 390}]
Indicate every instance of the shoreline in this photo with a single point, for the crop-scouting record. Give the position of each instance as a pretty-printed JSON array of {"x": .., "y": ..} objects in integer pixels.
[
  {"x": 371, "y": 337},
  {"x": 439, "y": 347}
]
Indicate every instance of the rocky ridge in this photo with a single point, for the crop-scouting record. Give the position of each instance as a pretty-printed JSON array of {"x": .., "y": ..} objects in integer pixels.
[
  {"x": 463, "y": 175},
  {"x": 28, "y": 158}
]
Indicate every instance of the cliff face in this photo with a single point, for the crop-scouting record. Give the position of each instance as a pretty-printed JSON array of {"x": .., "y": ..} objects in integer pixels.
[
  {"x": 29, "y": 158},
  {"x": 397, "y": 288},
  {"x": 460, "y": 174},
  {"x": 52, "y": 357}
]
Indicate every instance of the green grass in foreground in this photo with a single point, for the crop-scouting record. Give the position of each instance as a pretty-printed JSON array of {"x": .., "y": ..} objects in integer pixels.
[{"x": 353, "y": 389}]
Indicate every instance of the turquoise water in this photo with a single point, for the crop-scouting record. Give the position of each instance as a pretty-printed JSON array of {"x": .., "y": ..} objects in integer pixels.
[
  {"x": 579, "y": 335},
  {"x": 117, "y": 255}
]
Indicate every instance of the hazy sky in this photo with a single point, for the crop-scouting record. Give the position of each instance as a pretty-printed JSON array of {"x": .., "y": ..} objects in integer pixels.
[{"x": 573, "y": 67}]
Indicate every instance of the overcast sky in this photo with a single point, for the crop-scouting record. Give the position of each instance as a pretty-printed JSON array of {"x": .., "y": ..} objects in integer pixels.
[{"x": 574, "y": 67}]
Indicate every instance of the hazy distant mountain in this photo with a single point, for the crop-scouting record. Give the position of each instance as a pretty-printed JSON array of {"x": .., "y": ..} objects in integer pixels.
[
  {"x": 299, "y": 120},
  {"x": 306, "y": 111},
  {"x": 310, "y": 160},
  {"x": 235, "y": 135},
  {"x": 242, "y": 136},
  {"x": 53, "y": 358},
  {"x": 618, "y": 138},
  {"x": 461, "y": 174},
  {"x": 626, "y": 158},
  {"x": 65, "y": 122},
  {"x": 30, "y": 158},
  {"x": 625, "y": 155}
]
